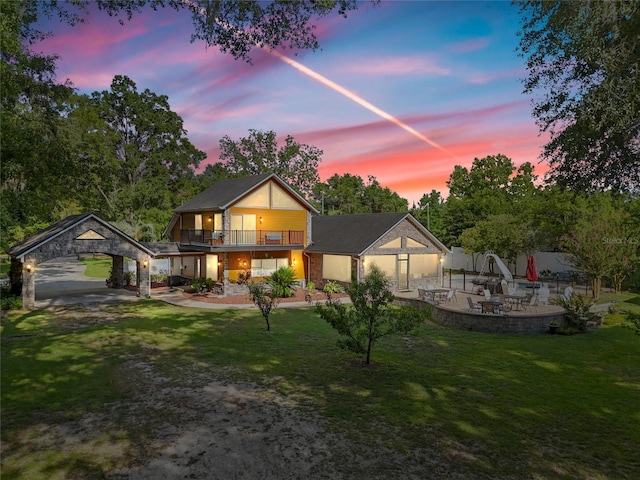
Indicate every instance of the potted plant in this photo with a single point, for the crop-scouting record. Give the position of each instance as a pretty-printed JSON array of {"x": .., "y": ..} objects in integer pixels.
[{"x": 553, "y": 327}]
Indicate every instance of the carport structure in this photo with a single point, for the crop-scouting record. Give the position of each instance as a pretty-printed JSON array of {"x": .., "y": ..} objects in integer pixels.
[{"x": 74, "y": 235}]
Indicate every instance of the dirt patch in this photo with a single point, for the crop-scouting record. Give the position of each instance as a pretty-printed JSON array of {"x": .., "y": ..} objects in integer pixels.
[{"x": 189, "y": 426}]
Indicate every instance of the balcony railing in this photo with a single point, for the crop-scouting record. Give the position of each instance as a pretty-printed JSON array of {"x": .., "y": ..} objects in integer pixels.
[{"x": 242, "y": 237}]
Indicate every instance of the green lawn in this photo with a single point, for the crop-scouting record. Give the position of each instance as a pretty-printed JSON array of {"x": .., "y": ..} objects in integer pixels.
[
  {"x": 97, "y": 267},
  {"x": 487, "y": 406}
]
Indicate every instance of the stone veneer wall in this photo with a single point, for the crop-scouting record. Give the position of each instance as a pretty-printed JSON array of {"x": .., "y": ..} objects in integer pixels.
[{"x": 486, "y": 322}]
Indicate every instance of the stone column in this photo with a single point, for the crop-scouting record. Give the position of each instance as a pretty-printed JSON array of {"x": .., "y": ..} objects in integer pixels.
[
  {"x": 144, "y": 278},
  {"x": 29, "y": 285},
  {"x": 117, "y": 271}
]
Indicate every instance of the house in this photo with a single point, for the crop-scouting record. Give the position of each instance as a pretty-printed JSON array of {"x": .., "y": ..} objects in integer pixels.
[
  {"x": 344, "y": 248},
  {"x": 241, "y": 228},
  {"x": 246, "y": 225},
  {"x": 258, "y": 224}
]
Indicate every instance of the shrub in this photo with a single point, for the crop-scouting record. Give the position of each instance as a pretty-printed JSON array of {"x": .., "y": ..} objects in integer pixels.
[
  {"x": 129, "y": 278},
  {"x": 9, "y": 301},
  {"x": 633, "y": 322},
  {"x": 202, "y": 284},
  {"x": 244, "y": 277},
  {"x": 578, "y": 312},
  {"x": 331, "y": 288},
  {"x": 283, "y": 282}
]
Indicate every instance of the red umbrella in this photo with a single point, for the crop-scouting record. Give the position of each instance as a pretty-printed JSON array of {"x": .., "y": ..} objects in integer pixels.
[{"x": 532, "y": 272}]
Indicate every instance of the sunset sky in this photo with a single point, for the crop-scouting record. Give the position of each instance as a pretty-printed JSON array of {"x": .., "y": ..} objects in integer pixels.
[{"x": 403, "y": 91}]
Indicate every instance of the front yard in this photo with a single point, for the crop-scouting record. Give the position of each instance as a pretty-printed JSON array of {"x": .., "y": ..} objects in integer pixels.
[{"x": 147, "y": 390}]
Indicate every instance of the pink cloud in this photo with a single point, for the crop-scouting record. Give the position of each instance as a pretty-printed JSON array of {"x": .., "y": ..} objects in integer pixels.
[
  {"x": 398, "y": 66},
  {"x": 482, "y": 78},
  {"x": 469, "y": 46}
]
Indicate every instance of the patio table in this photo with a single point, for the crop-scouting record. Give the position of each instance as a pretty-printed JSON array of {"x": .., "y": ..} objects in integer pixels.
[
  {"x": 516, "y": 300},
  {"x": 490, "y": 306},
  {"x": 441, "y": 293}
]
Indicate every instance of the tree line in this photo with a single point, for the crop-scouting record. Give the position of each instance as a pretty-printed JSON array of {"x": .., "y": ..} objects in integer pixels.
[{"x": 125, "y": 154}]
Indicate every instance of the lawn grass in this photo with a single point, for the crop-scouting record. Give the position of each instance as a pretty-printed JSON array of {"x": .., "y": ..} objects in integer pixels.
[
  {"x": 498, "y": 406},
  {"x": 98, "y": 267}
]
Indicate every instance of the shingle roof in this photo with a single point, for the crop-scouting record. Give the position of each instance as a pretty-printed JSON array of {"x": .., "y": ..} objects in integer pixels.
[
  {"x": 350, "y": 234},
  {"x": 51, "y": 231},
  {"x": 58, "y": 228},
  {"x": 220, "y": 195}
]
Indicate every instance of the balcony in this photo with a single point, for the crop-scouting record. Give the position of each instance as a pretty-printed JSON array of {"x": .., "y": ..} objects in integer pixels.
[{"x": 218, "y": 238}]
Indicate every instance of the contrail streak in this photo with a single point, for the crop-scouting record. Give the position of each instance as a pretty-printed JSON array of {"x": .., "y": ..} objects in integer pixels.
[
  {"x": 338, "y": 88},
  {"x": 359, "y": 100}
]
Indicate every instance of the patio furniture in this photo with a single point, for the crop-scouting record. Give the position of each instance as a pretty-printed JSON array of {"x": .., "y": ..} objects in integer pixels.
[
  {"x": 532, "y": 303},
  {"x": 568, "y": 293},
  {"x": 472, "y": 306},
  {"x": 437, "y": 294},
  {"x": 487, "y": 294},
  {"x": 543, "y": 296},
  {"x": 422, "y": 293},
  {"x": 516, "y": 301},
  {"x": 450, "y": 295},
  {"x": 490, "y": 306}
]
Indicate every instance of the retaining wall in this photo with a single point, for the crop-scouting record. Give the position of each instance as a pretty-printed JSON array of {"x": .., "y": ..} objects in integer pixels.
[{"x": 486, "y": 322}]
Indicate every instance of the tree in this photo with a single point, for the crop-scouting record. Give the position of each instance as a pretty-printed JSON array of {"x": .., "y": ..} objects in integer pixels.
[
  {"x": 263, "y": 299},
  {"x": 133, "y": 150},
  {"x": 349, "y": 194},
  {"x": 237, "y": 27},
  {"x": 371, "y": 315},
  {"x": 583, "y": 59},
  {"x": 36, "y": 178},
  {"x": 603, "y": 243},
  {"x": 506, "y": 235},
  {"x": 259, "y": 153},
  {"x": 430, "y": 212},
  {"x": 490, "y": 187}
]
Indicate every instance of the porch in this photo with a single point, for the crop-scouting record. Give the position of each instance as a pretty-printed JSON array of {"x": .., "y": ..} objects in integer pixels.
[{"x": 221, "y": 238}]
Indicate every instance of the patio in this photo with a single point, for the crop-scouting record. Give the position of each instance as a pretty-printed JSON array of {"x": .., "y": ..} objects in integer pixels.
[{"x": 455, "y": 313}]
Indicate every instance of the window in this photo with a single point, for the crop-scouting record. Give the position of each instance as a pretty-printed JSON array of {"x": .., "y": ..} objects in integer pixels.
[
  {"x": 267, "y": 266},
  {"x": 336, "y": 267},
  {"x": 243, "y": 228},
  {"x": 386, "y": 263},
  {"x": 423, "y": 265}
]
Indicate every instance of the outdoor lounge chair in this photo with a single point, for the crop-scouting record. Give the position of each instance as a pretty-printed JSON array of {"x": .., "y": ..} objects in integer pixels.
[
  {"x": 543, "y": 296},
  {"x": 568, "y": 293},
  {"x": 472, "y": 306}
]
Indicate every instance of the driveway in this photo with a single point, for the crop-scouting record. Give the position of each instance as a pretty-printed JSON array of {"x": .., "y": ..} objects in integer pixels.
[{"x": 61, "y": 281}]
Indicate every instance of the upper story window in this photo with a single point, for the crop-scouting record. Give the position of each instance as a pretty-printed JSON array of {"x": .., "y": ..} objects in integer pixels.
[{"x": 269, "y": 196}]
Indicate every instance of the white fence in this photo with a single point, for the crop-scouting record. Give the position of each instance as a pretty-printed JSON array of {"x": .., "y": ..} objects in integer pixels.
[{"x": 553, "y": 261}]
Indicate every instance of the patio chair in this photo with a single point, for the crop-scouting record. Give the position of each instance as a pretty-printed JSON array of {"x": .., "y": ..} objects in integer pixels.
[
  {"x": 487, "y": 294},
  {"x": 450, "y": 295},
  {"x": 532, "y": 303},
  {"x": 568, "y": 293},
  {"x": 543, "y": 296},
  {"x": 472, "y": 306},
  {"x": 430, "y": 287},
  {"x": 422, "y": 293}
]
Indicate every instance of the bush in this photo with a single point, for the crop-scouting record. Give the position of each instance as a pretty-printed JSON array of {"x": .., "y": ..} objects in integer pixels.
[
  {"x": 578, "y": 312},
  {"x": 202, "y": 284},
  {"x": 9, "y": 301},
  {"x": 283, "y": 282},
  {"x": 244, "y": 277},
  {"x": 633, "y": 322}
]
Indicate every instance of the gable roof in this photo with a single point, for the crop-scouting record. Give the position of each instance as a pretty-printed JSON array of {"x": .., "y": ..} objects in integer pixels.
[
  {"x": 222, "y": 195},
  {"x": 52, "y": 231},
  {"x": 354, "y": 234}
]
